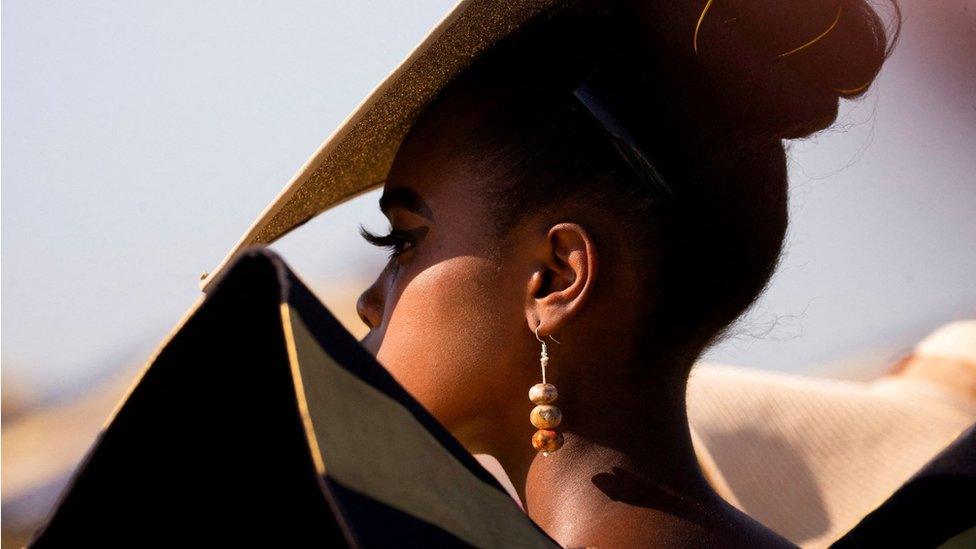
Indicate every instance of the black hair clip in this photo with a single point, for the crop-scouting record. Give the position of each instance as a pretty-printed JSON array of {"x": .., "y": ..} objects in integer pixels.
[{"x": 624, "y": 142}]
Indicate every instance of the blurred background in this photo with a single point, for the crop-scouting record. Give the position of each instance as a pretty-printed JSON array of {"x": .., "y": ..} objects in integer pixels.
[{"x": 140, "y": 140}]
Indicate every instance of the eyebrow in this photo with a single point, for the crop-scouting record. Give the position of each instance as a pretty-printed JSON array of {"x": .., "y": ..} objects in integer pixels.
[{"x": 407, "y": 199}]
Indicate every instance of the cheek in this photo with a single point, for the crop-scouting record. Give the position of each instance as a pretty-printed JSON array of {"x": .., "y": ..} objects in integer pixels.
[{"x": 447, "y": 337}]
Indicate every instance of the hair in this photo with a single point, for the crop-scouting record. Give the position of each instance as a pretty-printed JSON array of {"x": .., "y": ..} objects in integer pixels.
[{"x": 708, "y": 95}]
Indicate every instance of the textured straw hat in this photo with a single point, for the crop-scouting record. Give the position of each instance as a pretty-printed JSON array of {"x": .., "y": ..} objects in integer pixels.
[{"x": 358, "y": 154}]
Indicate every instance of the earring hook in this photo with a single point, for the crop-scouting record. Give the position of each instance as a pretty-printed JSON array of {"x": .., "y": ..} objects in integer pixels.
[{"x": 549, "y": 336}]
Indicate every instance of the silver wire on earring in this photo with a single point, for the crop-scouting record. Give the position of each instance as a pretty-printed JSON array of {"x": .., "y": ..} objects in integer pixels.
[{"x": 545, "y": 417}]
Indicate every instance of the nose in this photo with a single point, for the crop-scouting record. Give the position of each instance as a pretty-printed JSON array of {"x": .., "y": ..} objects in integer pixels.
[{"x": 369, "y": 307}]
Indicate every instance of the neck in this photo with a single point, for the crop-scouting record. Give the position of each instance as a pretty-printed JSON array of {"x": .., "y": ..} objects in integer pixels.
[{"x": 626, "y": 441}]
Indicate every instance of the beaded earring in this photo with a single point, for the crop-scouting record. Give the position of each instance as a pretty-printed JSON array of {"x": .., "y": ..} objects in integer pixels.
[{"x": 545, "y": 417}]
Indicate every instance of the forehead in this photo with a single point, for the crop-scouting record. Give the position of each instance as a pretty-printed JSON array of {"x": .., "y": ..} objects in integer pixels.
[{"x": 431, "y": 160}]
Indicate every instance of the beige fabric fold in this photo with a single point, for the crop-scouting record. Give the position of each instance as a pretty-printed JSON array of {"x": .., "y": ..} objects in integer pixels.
[{"x": 810, "y": 457}]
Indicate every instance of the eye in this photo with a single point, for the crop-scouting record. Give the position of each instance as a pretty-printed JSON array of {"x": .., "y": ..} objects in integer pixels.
[{"x": 397, "y": 240}]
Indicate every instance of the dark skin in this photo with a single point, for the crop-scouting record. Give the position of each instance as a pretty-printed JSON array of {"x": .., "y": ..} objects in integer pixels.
[{"x": 452, "y": 316}]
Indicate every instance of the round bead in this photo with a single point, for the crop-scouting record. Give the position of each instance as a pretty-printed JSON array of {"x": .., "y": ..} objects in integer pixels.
[
  {"x": 543, "y": 393},
  {"x": 547, "y": 440},
  {"x": 545, "y": 416}
]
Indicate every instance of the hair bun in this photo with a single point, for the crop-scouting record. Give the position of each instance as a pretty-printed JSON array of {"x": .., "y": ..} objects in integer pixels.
[{"x": 777, "y": 66}]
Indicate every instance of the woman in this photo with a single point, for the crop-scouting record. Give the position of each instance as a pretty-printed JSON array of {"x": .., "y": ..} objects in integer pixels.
[{"x": 605, "y": 181}]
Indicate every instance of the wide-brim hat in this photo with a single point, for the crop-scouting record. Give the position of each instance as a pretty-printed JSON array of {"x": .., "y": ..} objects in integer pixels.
[{"x": 356, "y": 157}]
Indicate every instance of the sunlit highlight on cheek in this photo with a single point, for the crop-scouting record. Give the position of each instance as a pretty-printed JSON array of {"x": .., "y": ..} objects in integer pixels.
[
  {"x": 439, "y": 323},
  {"x": 423, "y": 300}
]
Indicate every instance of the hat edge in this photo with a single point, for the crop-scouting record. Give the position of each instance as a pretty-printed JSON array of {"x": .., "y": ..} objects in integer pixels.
[{"x": 325, "y": 149}]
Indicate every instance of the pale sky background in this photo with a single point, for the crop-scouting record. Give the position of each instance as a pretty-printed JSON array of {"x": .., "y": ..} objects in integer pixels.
[{"x": 141, "y": 139}]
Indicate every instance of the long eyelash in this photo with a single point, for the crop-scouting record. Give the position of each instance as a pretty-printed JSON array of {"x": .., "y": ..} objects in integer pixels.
[{"x": 392, "y": 240}]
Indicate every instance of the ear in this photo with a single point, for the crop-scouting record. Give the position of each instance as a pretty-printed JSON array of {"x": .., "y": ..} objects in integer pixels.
[{"x": 563, "y": 279}]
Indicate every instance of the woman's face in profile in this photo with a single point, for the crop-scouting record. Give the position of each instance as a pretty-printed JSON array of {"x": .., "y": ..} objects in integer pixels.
[{"x": 446, "y": 317}]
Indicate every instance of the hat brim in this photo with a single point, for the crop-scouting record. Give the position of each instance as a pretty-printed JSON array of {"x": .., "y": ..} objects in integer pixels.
[{"x": 357, "y": 156}]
